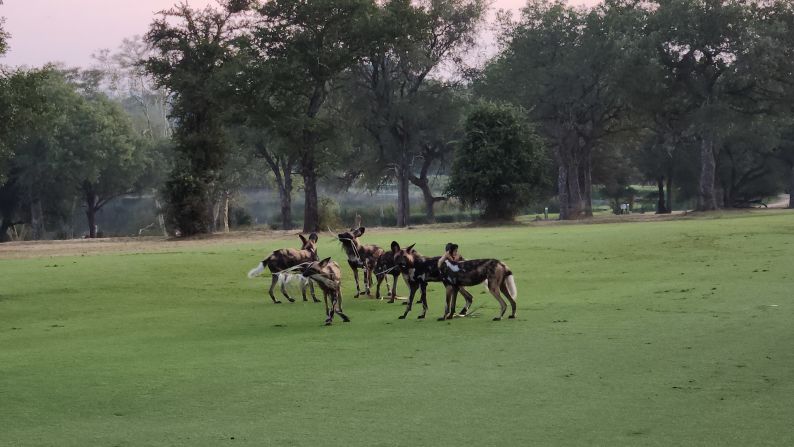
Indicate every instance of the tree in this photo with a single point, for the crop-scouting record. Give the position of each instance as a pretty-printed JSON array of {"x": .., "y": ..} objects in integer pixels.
[
  {"x": 501, "y": 163},
  {"x": 106, "y": 156},
  {"x": 42, "y": 105},
  {"x": 3, "y": 36},
  {"x": 564, "y": 65},
  {"x": 415, "y": 40},
  {"x": 699, "y": 44},
  {"x": 307, "y": 46},
  {"x": 193, "y": 47}
]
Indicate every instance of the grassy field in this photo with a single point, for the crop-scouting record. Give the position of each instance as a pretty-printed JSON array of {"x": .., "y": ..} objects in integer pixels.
[{"x": 664, "y": 333}]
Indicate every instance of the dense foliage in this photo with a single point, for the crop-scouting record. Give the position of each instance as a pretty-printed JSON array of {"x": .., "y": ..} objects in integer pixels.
[
  {"x": 501, "y": 163},
  {"x": 688, "y": 103}
]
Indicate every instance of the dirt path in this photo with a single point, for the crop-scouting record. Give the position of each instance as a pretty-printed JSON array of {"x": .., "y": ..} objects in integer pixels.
[{"x": 40, "y": 249}]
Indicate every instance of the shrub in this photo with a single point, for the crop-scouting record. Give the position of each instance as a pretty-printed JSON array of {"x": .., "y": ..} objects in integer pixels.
[{"x": 500, "y": 164}]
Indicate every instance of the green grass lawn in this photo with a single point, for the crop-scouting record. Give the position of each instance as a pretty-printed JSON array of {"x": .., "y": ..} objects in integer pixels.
[{"x": 664, "y": 333}]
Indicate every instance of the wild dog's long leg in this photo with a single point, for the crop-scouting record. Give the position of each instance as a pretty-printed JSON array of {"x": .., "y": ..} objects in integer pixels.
[
  {"x": 494, "y": 289},
  {"x": 284, "y": 291},
  {"x": 378, "y": 280},
  {"x": 311, "y": 288},
  {"x": 469, "y": 300},
  {"x": 304, "y": 284},
  {"x": 393, "y": 287},
  {"x": 273, "y": 286},
  {"x": 423, "y": 286},
  {"x": 327, "y": 315},
  {"x": 355, "y": 276},
  {"x": 339, "y": 307},
  {"x": 453, "y": 303},
  {"x": 510, "y": 299},
  {"x": 449, "y": 290},
  {"x": 411, "y": 295}
]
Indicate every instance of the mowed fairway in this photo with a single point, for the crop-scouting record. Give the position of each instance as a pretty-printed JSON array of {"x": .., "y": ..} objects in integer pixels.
[{"x": 663, "y": 333}]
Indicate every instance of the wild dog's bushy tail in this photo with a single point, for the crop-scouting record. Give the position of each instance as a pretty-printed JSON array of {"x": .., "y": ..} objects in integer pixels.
[
  {"x": 256, "y": 271},
  {"x": 510, "y": 281}
]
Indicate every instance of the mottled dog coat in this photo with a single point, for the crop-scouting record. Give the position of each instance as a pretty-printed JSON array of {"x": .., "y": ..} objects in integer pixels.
[
  {"x": 384, "y": 267},
  {"x": 328, "y": 276},
  {"x": 418, "y": 270},
  {"x": 494, "y": 273},
  {"x": 285, "y": 259},
  {"x": 360, "y": 257}
]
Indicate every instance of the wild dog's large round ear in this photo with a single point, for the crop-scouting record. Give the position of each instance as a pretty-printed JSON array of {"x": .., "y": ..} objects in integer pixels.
[
  {"x": 448, "y": 247},
  {"x": 303, "y": 239},
  {"x": 359, "y": 231},
  {"x": 325, "y": 262},
  {"x": 395, "y": 247},
  {"x": 410, "y": 248},
  {"x": 313, "y": 237}
]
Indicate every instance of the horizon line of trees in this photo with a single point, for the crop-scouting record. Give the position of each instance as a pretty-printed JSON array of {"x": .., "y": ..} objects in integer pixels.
[{"x": 693, "y": 96}]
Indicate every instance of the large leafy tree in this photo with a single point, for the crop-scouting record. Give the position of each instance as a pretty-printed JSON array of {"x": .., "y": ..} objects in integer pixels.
[
  {"x": 193, "y": 48},
  {"x": 701, "y": 46},
  {"x": 500, "y": 165},
  {"x": 106, "y": 157},
  {"x": 404, "y": 111},
  {"x": 565, "y": 65},
  {"x": 305, "y": 47},
  {"x": 42, "y": 105}
]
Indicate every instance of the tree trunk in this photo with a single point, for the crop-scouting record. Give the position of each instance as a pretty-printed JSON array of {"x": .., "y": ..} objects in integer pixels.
[
  {"x": 311, "y": 214},
  {"x": 661, "y": 208},
  {"x": 427, "y": 194},
  {"x": 285, "y": 193},
  {"x": 36, "y": 220},
  {"x": 90, "y": 212},
  {"x": 562, "y": 191},
  {"x": 669, "y": 193},
  {"x": 216, "y": 213},
  {"x": 707, "y": 199},
  {"x": 225, "y": 214},
  {"x": 791, "y": 188},
  {"x": 4, "y": 226},
  {"x": 403, "y": 201},
  {"x": 574, "y": 191},
  {"x": 587, "y": 177},
  {"x": 160, "y": 217}
]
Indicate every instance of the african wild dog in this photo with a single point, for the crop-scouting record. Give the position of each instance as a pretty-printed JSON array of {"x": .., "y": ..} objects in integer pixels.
[
  {"x": 494, "y": 273},
  {"x": 418, "y": 270},
  {"x": 329, "y": 277},
  {"x": 386, "y": 266},
  {"x": 288, "y": 259},
  {"x": 360, "y": 257}
]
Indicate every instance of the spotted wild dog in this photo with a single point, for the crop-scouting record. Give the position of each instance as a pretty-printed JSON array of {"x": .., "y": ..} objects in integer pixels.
[
  {"x": 328, "y": 276},
  {"x": 418, "y": 270},
  {"x": 494, "y": 273},
  {"x": 287, "y": 259},
  {"x": 386, "y": 266},
  {"x": 360, "y": 257}
]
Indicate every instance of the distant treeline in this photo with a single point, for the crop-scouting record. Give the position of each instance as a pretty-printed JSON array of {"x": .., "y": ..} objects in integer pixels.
[{"x": 694, "y": 97}]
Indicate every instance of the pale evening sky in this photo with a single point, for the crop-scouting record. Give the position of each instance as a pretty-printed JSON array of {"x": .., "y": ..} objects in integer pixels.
[{"x": 69, "y": 31}]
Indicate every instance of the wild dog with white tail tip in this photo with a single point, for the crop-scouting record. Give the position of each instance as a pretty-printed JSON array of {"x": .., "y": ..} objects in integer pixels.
[
  {"x": 494, "y": 273},
  {"x": 287, "y": 260},
  {"x": 419, "y": 270},
  {"x": 328, "y": 276}
]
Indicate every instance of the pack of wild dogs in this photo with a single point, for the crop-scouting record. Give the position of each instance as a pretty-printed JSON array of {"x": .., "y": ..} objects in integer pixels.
[{"x": 305, "y": 268}]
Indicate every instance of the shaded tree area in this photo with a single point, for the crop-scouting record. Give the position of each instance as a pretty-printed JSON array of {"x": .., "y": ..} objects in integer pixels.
[
  {"x": 668, "y": 87},
  {"x": 686, "y": 102},
  {"x": 67, "y": 147}
]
